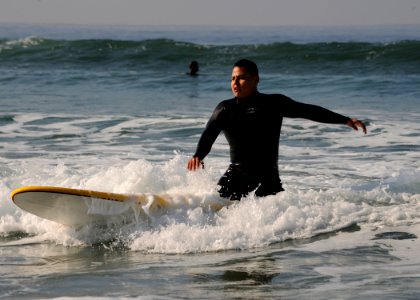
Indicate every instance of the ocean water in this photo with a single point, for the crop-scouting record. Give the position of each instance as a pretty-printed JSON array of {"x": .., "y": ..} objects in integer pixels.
[{"x": 112, "y": 109}]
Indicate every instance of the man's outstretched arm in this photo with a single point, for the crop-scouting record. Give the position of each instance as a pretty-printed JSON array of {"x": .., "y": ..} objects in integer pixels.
[{"x": 320, "y": 114}]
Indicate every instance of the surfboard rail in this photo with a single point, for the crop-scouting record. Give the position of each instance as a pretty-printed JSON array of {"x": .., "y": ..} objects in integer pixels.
[
  {"x": 78, "y": 207},
  {"x": 70, "y": 191}
]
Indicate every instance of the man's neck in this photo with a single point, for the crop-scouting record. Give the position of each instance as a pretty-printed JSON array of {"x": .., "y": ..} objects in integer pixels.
[{"x": 246, "y": 99}]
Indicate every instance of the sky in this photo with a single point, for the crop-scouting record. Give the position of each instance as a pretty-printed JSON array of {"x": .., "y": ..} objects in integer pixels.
[{"x": 212, "y": 12}]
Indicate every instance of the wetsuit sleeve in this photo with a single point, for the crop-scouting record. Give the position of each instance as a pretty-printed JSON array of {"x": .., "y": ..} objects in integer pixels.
[
  {"x": 210, "y": 133},
  {"x": 313, "y": 112}
]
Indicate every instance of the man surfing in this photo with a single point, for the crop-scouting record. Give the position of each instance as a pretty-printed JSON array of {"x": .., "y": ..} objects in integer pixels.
[{"x": 251, "y": 123}]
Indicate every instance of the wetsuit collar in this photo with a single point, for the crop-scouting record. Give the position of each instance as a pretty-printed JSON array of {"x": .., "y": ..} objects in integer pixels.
[{"x": 247, "y": 99}]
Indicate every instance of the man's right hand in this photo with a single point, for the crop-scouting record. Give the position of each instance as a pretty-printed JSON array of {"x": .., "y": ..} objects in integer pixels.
[{"x": 194, "y": 164}]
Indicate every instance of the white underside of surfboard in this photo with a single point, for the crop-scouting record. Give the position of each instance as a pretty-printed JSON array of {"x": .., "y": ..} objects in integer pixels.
[{"x": 77, "y": 207}]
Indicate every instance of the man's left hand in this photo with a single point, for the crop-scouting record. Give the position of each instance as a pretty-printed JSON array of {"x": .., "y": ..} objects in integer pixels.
[{"x": 356, "y": 124}]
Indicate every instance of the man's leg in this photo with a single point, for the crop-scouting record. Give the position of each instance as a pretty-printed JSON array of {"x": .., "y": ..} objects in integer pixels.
[
  {"x": 236, "y": 183},
  {"x": 270, "y": 183}
]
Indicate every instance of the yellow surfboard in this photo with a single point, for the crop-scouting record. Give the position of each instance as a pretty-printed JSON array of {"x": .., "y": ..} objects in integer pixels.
[{"x": 78, "y": 207}]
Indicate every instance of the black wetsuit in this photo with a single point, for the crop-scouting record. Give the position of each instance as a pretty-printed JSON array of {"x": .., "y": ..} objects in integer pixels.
[{"x": 252, "y": 128}]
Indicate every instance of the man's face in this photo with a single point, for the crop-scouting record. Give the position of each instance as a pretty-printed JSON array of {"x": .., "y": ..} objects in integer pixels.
[{"x": 243, "y": 84}]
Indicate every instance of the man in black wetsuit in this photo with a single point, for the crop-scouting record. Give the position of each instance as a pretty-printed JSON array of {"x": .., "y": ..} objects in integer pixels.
[{"x": 251, "y": 123}]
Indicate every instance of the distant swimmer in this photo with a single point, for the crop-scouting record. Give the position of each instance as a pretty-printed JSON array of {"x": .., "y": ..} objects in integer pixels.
[
  {"x": 251, "y": 123},
  {"x": 193, "y": 68}
]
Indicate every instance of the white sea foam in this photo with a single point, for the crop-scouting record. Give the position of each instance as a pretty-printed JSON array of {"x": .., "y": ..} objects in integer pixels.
[
  {"x": 23, "y": 42},
  {"x": 333, "y": 178},
  {"x": 253, "y": 222}
]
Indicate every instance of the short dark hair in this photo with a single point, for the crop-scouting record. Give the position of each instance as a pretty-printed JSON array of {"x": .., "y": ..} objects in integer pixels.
[{"x": 250, "y": 66}]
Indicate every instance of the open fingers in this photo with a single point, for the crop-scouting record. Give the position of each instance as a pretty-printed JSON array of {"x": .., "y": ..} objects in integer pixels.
[
  {"x": 194, "y": 164},
  {"x": 356, "y": 124}
]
